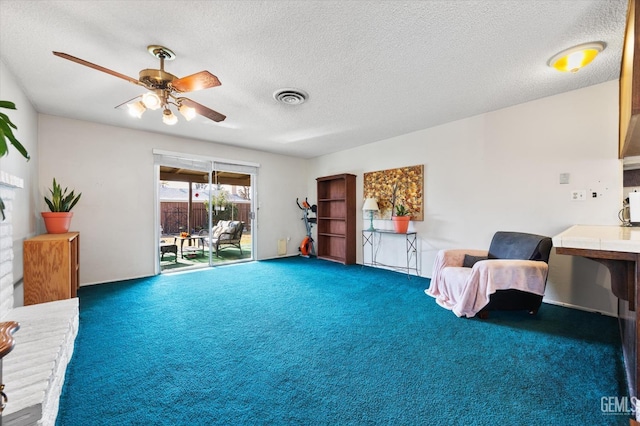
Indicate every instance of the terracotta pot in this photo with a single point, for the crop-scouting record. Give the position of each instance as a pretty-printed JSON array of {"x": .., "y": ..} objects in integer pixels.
[
  {"x": 401, "y": 223},
  {"x": 57, "y": 222}
]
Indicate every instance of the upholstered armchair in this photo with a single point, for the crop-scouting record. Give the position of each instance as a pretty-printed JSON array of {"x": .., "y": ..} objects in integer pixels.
[
  {"x": 225, "y": 233},
  {"x": 511, "y": 275}
]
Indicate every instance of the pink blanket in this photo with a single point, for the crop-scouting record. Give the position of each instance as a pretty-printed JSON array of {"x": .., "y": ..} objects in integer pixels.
[{"x": 465, "y": 291}]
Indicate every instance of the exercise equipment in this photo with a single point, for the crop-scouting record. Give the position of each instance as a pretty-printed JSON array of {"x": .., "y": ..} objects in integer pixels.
[{"x": 306, "y": 248}]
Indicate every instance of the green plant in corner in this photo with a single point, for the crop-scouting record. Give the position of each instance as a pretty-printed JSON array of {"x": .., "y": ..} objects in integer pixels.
[
  {"x": 402, "y": 210},
  {"x": 7, "y": 134},
  {"x": 61, "y": 201}
]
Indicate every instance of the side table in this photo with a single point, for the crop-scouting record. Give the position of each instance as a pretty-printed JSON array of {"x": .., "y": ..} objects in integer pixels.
[{"x": 189, "y": 248}]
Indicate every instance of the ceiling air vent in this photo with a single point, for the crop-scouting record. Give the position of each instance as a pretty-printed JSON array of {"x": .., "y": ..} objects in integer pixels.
[{"x": 290, "y": 96}]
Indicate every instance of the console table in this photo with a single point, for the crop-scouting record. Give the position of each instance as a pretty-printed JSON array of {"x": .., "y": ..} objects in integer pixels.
[
  {"x": 372, "y": 240},
  {"x": 618, "y": 248}
]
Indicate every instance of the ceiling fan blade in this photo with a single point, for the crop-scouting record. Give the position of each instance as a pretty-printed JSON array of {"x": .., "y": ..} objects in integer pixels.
[
  {"x": 203, "y": 110},
  {"x": 97, "y": 67},
  {"x": 198, "y": 81}
]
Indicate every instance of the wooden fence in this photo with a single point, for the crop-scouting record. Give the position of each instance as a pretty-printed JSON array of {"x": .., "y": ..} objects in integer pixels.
[{"x": 174, "y": 216}]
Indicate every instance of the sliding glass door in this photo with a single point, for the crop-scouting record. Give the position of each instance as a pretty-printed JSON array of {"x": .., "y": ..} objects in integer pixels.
[{"x": 204, "y": 212}]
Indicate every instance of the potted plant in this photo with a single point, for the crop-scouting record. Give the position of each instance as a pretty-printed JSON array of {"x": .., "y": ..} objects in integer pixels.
[
  {"x": 58, "y": 220},
  {"x": 401, "y": 219}
]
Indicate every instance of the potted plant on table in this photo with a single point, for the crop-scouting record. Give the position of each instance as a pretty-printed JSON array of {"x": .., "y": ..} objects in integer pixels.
[
  {"x": 401, "y": 219},
  {"x": 58, "y": 220}
]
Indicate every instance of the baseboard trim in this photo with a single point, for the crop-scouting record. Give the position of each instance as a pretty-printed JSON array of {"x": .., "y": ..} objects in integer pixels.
[{"x": 579, "y": 308}]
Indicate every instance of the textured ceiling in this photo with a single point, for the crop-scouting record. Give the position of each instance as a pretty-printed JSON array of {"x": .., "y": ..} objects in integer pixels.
[{"x": 373, "y": 69}]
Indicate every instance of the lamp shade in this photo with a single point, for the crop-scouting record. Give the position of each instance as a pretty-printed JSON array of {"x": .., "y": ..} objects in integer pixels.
[
  {"x": 136, "y": 109},
  {"x": 370, "y": 204},
  {"x": 151, "y": 101},
  {"x": 169, "y": 118},
  {"x": 577, "y": 57},
  {"x": 187, "y": 112}
]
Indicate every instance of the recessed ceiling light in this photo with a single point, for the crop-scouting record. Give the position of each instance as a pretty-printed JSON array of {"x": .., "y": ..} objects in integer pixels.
[
  {"x": 290, "y": 96},
  {"x": 574, "y": 58}
]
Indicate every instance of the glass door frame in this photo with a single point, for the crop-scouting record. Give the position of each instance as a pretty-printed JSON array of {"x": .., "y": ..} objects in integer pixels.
[{"x": 214, "y": 164}]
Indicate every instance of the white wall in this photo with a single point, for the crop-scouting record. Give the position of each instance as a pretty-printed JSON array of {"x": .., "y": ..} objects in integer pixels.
[
  {"x": 113, "y": 168},
  {"x": 25, "y": 118},
  {"x": 494, "y": 171},
  {"x": 500, "y": 171}
]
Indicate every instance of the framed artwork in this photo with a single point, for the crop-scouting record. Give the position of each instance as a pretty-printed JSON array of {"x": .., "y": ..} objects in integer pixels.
[{"x": 393, "y": 187}]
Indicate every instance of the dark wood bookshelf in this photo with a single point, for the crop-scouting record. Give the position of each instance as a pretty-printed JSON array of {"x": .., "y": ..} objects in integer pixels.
[{"x": 337, "y": 218}]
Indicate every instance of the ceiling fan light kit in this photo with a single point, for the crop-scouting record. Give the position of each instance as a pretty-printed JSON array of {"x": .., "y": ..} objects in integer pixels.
[
  {"x": 136, "y": 109},
  {"x": 187, "y": 112},
  {"x": 151, "y": 101},
  {"x": 577, "y": 57},
  {"x": 169, "y": 117},
  {"x": 163, "y": 88}
]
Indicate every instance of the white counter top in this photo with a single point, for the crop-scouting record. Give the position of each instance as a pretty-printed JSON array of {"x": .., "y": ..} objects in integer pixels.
[{"x": 600, "y": 237}]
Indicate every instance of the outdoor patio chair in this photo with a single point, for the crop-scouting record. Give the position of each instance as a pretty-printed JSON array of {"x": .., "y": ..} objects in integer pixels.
[
  {"x": 168, "y": 248},
  {"x": 226, "y": 233}
]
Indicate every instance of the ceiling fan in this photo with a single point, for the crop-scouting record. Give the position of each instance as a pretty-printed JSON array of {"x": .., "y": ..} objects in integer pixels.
[{"x": 164, "y": 88}]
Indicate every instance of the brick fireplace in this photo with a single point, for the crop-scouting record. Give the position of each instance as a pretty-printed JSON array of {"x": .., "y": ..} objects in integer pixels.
[
  {"x": 34, "y": 372},
  {"x": 9, "y": 184}
]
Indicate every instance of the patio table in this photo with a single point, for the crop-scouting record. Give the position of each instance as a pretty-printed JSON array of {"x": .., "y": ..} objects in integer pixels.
[{"x": 190, "y": 248}]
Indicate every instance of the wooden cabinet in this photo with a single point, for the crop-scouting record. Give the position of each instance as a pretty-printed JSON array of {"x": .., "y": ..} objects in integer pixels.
[
  {"x": 337, "y": 218},
  {"x": 629, "y": 97},
  {"x": 51, "y": 267}
]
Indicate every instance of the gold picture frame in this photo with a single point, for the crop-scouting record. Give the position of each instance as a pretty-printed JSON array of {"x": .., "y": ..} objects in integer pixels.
[{"x": 393, "y": 187}]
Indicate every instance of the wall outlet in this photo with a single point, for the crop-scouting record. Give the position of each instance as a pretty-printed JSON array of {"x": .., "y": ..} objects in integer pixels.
[{"x": 578, "y": 195}]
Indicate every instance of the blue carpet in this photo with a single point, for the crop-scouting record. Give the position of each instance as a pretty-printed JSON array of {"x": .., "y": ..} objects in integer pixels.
[{"x": 299, "y": 341}]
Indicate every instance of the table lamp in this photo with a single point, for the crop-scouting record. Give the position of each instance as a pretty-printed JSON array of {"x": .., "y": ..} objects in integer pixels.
[{"x": 370, "y": 205}]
